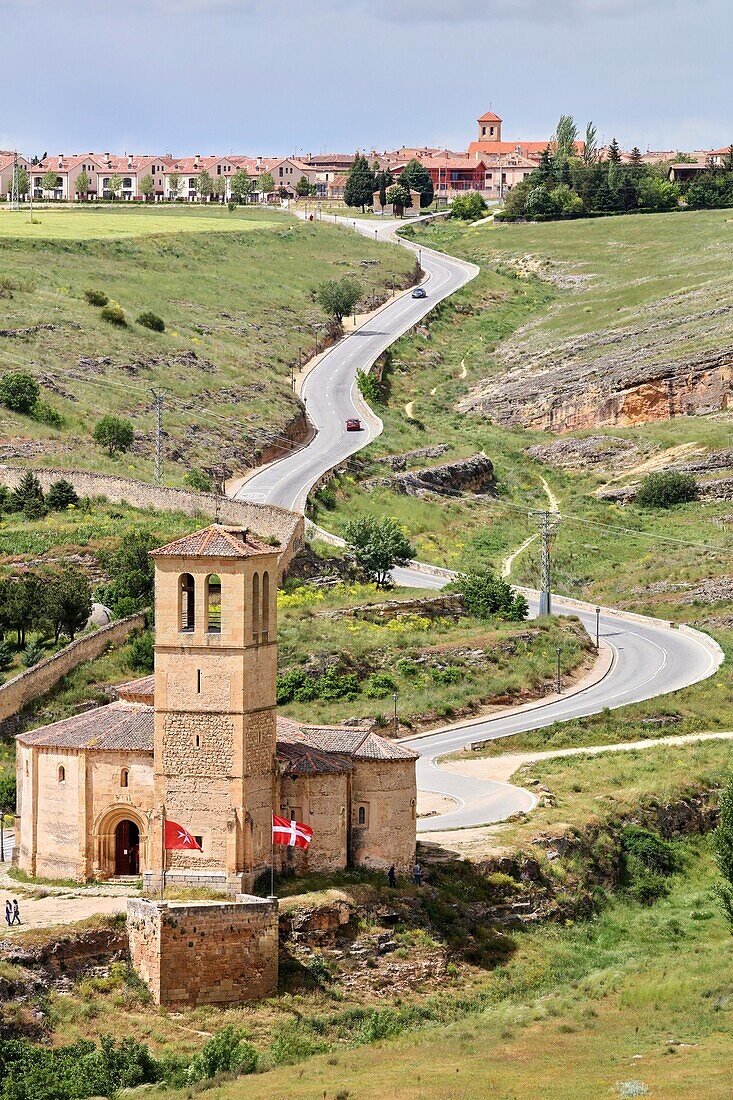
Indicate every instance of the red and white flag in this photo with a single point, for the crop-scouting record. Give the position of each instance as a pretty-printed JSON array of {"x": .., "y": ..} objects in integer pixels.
[
  {"x": 177, "y": 838},
  {"x": 292, "y": 833}
]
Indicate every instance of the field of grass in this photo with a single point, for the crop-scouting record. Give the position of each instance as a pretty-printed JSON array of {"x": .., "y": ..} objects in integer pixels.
[
  {"x": 83, "y": 223},
  {"x": 440, "y": 668},
  {"x": 236, "y": 295}
]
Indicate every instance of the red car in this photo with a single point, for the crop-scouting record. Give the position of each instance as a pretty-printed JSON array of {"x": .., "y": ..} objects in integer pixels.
[{"x": 353, "y": 424}]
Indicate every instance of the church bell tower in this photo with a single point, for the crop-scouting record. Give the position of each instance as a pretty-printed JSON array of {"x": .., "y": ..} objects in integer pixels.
[{"x": 215, "y": 669}]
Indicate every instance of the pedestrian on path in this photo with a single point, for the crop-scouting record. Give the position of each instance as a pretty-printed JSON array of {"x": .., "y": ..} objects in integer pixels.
[
  {"x": 392, "y": 877},
  {"x": 16, "y": 912},
  {"x": 417, "y": 874},
  {"x": 8, "y": 913}
]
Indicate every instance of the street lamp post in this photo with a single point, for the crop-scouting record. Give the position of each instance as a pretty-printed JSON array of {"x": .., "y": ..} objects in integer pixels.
[
  {"x": 396, "y": 723},
  {"x": 598, "y": 628},
  {"x": 558, "y": 650},
  {"x": 375, "y": 234}
]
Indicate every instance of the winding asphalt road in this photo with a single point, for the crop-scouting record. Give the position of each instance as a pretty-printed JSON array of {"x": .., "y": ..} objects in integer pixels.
[{"x": 649, "y": 658}]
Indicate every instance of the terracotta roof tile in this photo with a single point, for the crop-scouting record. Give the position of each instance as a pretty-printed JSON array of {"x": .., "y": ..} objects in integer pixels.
[
  {"x": 215, "y": 541},
  {"x": 141, "y": 690},
  {"x": 301, "y": 759},
  {"x": 490, "y": 116},
  {"x": 119, "y": 726}
]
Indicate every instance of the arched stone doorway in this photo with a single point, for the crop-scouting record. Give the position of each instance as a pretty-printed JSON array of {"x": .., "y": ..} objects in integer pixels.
[
  {"x": 120, "y": 843},
  {"x": 127, "y": 848}
]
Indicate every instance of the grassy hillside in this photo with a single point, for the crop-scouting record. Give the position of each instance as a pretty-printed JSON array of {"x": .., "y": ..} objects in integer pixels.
[{"x": 236, "y": 294}]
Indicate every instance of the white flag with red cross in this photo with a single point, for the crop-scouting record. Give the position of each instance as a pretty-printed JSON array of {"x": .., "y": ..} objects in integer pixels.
[{"x": 292, "y": 833}]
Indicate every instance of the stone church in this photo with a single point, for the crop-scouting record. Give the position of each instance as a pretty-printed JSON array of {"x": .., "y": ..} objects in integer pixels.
[{"x": 199, "y": 742}]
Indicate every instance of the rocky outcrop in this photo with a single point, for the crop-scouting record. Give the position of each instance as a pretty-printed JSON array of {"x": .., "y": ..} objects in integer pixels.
[
  {"x": 446, "y": 606},
  {"x": 475, "y": 475},
  {"x": 592, "y": 450},
  {"x": 720, "y": 488},
  {"x": 402, "y": 461},
  {"x": 306, "y": 565},
  {"x": 608, "y": 390}
]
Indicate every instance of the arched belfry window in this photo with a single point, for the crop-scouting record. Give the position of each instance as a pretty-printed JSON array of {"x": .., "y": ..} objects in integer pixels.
[
  {"x": 187, "y": 602},
  {"x": 124, "y": 778},
  {"x": 265, "y": 606},
  {"x": 62, "y": 774},
  {"x": 213, "y": 604},
  {"x": 256, "y": 608},
  {"x": 362, "y": 815}
]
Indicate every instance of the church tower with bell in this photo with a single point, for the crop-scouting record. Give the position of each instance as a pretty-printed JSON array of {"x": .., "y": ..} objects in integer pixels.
[{"x": 215, "y": 722}]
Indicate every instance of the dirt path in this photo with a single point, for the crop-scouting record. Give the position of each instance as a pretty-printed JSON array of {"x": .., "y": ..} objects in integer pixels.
[
  {"x": 502, "y": 768},
  {"x": 554, "y": 502},
  {"x": 41, "y": 912},
  {"x": 506, "y": 565},
  {"x": 464, "y": 369},
  {"x": 409, "y": 407}
]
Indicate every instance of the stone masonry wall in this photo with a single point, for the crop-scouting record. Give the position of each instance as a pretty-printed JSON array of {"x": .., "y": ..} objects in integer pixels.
[
  {"x": 387, "y": 792},
  {"x": 207, "y": 952},
  {"x": 46, "y": 674},
  {"x": 262, "y": 519}
]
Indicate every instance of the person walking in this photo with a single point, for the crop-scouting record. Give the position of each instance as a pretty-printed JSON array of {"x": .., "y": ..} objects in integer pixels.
[
  {"x": 8, "y": 912},
  {"x": 16, "y": 912},
  {"x": 392, "y": 877},
  {"x": 417, "y": 874}
]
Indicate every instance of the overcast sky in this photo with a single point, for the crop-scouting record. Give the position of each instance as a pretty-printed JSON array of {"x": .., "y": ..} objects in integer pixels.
[{"x": 280, "y": 76}]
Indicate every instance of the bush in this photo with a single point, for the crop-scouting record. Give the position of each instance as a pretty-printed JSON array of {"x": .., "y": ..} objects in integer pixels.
[
  {"x": 288, "y": 683},
  {"x": 380, "y": 685},
  {"x": 61, "y": 495},
  {"x": 46, "y": 414},
  {"x": 27, "y": 497},
  {"x": 198, "y": 479},
  {"x": 468, "y": 207},
  {"x": 19, "y": 392},
  {"x": 665, "y": 489},
  {"x": 486, "y": 595},
  {"x": 6, "y": 656},
  {"x": 115, "y": 433},
  {"x": 142, "y": 653},
  {"x": 540, "y": 203},
  {"x": 114, "y": 314},
  {"x": 369, "y": 387},
  {"x": 32, "y": 654},
  {"x": 151, "y": 321},
  {"x": 335, "y": 685},
  {"x": 96, "y": 297},
  {"x": 225, "y": 1052},
  {"x": 650, "y": 849}
]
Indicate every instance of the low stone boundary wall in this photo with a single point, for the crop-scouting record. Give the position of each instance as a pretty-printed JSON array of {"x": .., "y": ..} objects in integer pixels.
[
  {"x": 35, "y": 681},
  {"x": 262, "y": 519}
]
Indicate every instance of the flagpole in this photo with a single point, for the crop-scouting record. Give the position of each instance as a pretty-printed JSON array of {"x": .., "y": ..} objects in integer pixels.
[
  {"x": 162, "y": 876},
  {"x": 272, "y": 857}
]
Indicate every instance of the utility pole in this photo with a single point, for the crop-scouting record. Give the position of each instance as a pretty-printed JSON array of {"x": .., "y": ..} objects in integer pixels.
[
  {"x": 14, "y": 195},
  {"x": 548, "y": 522},
  {"x": 158, "y": 396}
]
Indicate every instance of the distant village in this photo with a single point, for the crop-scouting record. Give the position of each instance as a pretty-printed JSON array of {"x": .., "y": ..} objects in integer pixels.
[{"x": 490, "y": 165}]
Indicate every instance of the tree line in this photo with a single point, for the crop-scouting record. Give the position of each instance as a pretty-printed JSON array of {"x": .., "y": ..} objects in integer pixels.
[
  {"x": 363, "y": 182},
  {"x": 572, "y": 181}
]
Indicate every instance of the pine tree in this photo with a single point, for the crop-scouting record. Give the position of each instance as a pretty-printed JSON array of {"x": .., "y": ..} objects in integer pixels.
[
  {"x": 635, "y": 158},
  {"x": 614, "y": 153},
  {"x": 360, "y": 184}
]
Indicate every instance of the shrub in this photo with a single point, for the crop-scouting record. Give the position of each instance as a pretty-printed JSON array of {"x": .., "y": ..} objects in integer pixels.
[
  {"x": 142, "y": 653},
  {"x": 335, "y": 685},
  {"x": 32, "y": 654},
  {"x": 485, "y": 595},
  {"x": 380, "y": 685},
  {"x": 539, "y": 203},
  {"x": 151, "y": 321},
  {"x": 225, "y": 1052},
  {"x": 468, "y": 207},
  {"x": 6, "y": 656},
  {"x": 665, "y": 489},
  {"x": 200, "y": 480},
  {"x": 61, "y": 495},
  {"x": 369, "y": 387},
  {"x": 46, "y": 414},
  {"x": 450, "y": 675},
  {"x": 647, "y": 846},
  {"x": 115, "y": 433},
  {"x": 19, "y": 392},
  {"x": 288, "y": 683},
  {"x": 96, "y": 297},
  {"x": 114, "y": 314}
]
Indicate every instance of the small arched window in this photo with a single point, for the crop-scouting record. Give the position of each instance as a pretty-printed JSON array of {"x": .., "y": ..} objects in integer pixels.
[
  {"x": 265, "y": 606},
  {"x": 256, "y": 608},
  {"x": 362, "y": 815},
  {"x": 124, "y": 778},
  {"x": 187, "y": 603},
  {"x": 62, "y": 774},
  {"x": 213, "y": 604}
]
